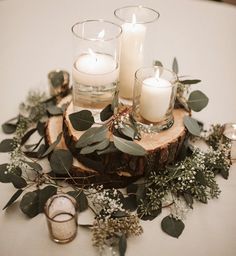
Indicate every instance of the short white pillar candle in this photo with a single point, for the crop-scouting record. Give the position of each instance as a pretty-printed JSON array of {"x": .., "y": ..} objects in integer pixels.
[{"x": 155, "y": 98}]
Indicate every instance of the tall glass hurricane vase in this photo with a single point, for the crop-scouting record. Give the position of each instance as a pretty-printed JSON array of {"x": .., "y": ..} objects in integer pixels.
[{"x": 135, "y": 22}]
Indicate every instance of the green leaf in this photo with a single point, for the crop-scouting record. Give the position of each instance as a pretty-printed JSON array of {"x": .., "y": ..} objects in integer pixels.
[
  {"x": 128, "y": 131},
  {"x": 53, "y": 145},
  {"x": 175, "y": 66},
  {"x": 197, "y": 100},
  {"x": 106, "y": 113},
  {"x": 81, "y": 199},
  {"x": 57, "y": 78},
  {"x": 92, "y": 135},
  {"x": 98, "y": 146},
  {"x": 37, "y": 167},
  {"x": 192, "y": 125},
  {"x": 29, "y": 204},
  {"x": 17, "y": 181},
  {"x": 122, "y": 245},
  {"x": 7, "y": 145},
  {"x": 172, "y": 226},
  {"x": 61, "y": 161},
  {"x": 41, "y": 128},
  {"x": 157, "y": 63},
  {"x": 44, "y": 194},
  {"x": 224, "y": 173},
  {"x": 129, "y": 147},
  {"x": 188, "y": 199},
  {"x": 4, "y": 174},
  {"x": 151, "y": 215},
  {"x": 110, "y": 149},
  {"x": 13, "y": 198},
  {"x": 130, "y": 203},
  {"x": 27, "y": 135},
  {"x": 9, "y": 128},
  {"x": 54, "y": 110},
  {"x": 190, "y": 81},
  {"x": 81, "y": 120}
]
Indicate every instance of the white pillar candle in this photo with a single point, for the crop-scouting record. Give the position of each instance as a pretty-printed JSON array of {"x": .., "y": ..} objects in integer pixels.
[
  {"x": 131, "y": 56},
  {"x": 155, "y": 98},
  {"x": 95, "y": 69}
]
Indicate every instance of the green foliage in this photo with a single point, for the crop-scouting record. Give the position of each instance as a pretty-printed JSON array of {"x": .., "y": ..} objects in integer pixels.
[
  {"x": 7, "y": 145},
  {"x": 129, "y": 147},
  {"x": 197, "y": 100},
  {"x": 61, "y": 161},
  {"x": 81, "y": 199},
  {"x": 172, "y": 226},
  {"x": 106, "y": 113},
  {"x": 192, "y": 125},
  {"x": 13, "y": 198},
  {"x": 81, "y": 120}
]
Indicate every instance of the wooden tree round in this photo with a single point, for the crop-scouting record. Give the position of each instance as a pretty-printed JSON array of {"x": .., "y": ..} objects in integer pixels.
[{"x": 117, "y": 169}]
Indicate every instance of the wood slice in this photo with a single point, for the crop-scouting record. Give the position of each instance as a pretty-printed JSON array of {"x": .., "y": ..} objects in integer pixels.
[{"x": 118, "y": 169}]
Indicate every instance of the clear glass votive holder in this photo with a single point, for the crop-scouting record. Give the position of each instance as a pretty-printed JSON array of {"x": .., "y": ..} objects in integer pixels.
[
  {"x": 61, "y": 214},
  {"x": 96, "y": 63},
  {"x": 135, "y": 20},
  {"x": 154, "y": 98},
  {"x": 230, "y": 133},
  {"x": 59, "y": 81}
]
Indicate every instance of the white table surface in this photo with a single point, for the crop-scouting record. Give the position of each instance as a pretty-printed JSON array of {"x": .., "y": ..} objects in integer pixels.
[{"x": 36, "y": 38}]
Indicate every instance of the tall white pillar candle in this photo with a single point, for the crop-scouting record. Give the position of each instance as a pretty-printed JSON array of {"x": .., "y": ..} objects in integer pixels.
[
  {"x": 155, "y": 98},
  {"x": 131, "y": 56},
  {"x": 95, "y": 69}
]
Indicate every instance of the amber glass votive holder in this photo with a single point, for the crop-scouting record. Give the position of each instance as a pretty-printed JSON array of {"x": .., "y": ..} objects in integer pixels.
[{"x": 61, "y": 214}]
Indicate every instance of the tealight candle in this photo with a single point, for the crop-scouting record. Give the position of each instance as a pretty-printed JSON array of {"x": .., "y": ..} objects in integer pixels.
[
  {"x": 230, "y": 133},
  {"x": 95, "y": 69},
  {"x": 155, "y": 98},
  {"x": 61, "y": 214},
  {"x": 131, "y": 56}
]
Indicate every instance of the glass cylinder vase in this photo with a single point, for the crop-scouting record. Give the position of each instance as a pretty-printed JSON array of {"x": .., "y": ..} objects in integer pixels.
[
  {"x": 135, "y": 22},
  {"x": 230, "y": 133},
  {"x": 96, "y": 63},
  {"x": 154, "y": 98},
  {"x": 61, "y": 214}
]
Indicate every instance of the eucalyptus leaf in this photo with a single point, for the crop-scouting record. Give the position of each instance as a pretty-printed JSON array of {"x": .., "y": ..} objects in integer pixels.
[
  {"x": 92, "y": 135},
  {"x": 175, "y": 66},
  {"x": 7, "y": 145},
  {"x": 41, "y": 128},
  {"x": 98, "y": 146},
  {"x": 129, "y": 147},
  {"x": 29, "y": 204},
  {"x": 53, "y": 145},
  {"x": 81, "y": 199},
  {"x": 44, "y": 194},
  {"x": 157, "y": 63},
  {"x": 128, "y": 131},
  {"x": 188, "y": 199},
  {"x": 190, "y": 81},
  {"x": 197, "y": 100},
  {"x": 61, "y": 161},
  {"x": 224, "y": 173},
  {"x": 151, "y": 215},
  {"x": 54, "y": 110},
  {"x": 4, "y": 174},
  {"x": 9, "y": 128},
  {"x": 81, "y": 120},
  {"x": 27, "y": 135},
  {"x": 110, "y": 149},
  {"x": 192, "y": 125},
  {"x": 172, "y": 226},
  {"x": 130, "y": 203},
  {"x": 122, "y": 245},
  {"x": 106, "y": 113},
  {"x": 13, "y": 198},
  {"x": 37, "y": 167},
  {"x": 17, "y": 181}
]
